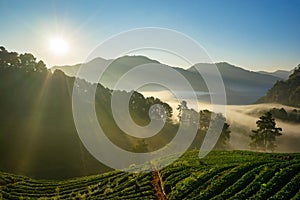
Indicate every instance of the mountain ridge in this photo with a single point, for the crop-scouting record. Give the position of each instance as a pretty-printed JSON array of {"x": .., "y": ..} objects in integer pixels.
[
  {"x": 242, "y": 86},
  {"x": 283, "y": 74}
]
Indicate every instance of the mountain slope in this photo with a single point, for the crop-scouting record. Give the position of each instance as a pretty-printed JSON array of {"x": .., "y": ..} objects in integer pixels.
[
  {"x": 115, "y": 68},
  {"x": 242, "y": 86},
  {"x": 38, "y": 136},
  {"x": 283, "y": 74},
  {"x": 37, "y": 131},
  {"x": 285, "y": 92},
  {"x": 220, "y": 175}
]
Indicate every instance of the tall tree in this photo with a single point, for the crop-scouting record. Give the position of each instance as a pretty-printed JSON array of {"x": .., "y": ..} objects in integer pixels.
[
  {"x": 204, "y": 120},
  {"x": 264, "y": 137},
  {"x": 224, "y": 138},
  {"x": 213, "y": 123},
  {"x": 181, "y": 107}
]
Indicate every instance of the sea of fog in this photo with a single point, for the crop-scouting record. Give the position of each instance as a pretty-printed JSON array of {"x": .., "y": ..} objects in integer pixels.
[{"x": 242, "y": 119}]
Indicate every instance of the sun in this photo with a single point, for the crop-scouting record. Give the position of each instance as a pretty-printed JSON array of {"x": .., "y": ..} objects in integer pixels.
[{"x": 58, "y": 45}]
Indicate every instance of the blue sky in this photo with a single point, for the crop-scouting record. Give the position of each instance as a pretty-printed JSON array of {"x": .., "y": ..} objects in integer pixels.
[{"x": 254, "y": 34}]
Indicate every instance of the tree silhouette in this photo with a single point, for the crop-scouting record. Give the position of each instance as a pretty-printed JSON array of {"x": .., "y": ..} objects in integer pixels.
[
  {"x": 207, "y": 120},
  {"x": 26, "y": 61},
  {"x": 181, "y": 108},
  {"x": 264, "y": 137},
  {"x": 217, "y": 120},
  {"x": 224, "y": 138},
  {"x": 204, "y": 120}
]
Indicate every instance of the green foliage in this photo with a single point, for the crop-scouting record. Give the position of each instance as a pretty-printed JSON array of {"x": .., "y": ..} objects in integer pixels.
[
  {"x": 233, "y": 175},
  {"x": 212, "y": 120},
  {"x": 26, "y": 62},
  {"x": 285, "y": 92},
  {"x": 220, "y": 175},
  {"x": 206, "y": 120},
  {"x": 282, "y": 114},
  {"x": 140, "y": 107},
  {"x": 264, "y": 137}
]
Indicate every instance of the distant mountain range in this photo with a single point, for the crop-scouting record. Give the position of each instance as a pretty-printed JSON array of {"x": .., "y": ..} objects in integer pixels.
[
  {"x": 283, "y": 74},
  {"x": 285, "y": 92},
  {"x": 242, "y": 86}
]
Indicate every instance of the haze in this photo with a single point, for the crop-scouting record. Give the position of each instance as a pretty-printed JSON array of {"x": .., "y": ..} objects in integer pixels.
[{"x": 242, "y": 119}]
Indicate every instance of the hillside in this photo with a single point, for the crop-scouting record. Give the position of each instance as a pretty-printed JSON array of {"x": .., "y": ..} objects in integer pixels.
[
  {"x": 220, "y": 175},
  {"x": 113, "y": 73},
  {"x": 283, "y": 74},
  {"x": 285, "y": 92},
  {"x": 242, "y": 86},
  {"x": 38, "y": 136}
]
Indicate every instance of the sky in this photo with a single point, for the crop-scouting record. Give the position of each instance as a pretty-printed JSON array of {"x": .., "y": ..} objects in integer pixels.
[{"x": 253, "y": 34}]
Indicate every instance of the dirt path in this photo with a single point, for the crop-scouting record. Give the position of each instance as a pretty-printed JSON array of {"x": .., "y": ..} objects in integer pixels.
[{"x": 157, "y": 183}]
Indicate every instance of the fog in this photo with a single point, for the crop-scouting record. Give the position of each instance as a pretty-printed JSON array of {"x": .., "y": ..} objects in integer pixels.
[
  {"x": 242, "y": 119},
  {"x": 245, "y": 117}
]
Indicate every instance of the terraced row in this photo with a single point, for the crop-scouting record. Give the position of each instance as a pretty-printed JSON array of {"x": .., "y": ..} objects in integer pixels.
[
  {"x": 272, "y": 177},
  {"x": 106, "y": 186},
  {"x": 220, "y": 175}
]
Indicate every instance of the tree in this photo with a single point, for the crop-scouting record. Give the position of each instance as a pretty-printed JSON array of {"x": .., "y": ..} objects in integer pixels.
[
  {"x": 204, "y": 120},
  {"x": 217, "y": 120},
  {"x": 26, "y": 61},
  {"x": 8, "y": 59},
  {"x": 224, "y": 138},
  {"x": 213, "y": 123},
  {"x": 264, "y": 137},
  {"x": 181, "y": 108}
]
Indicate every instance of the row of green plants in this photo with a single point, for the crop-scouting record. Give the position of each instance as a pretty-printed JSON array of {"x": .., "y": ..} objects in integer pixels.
[
  {"x": 233, "y": 175},
  {"x": 221, "y": 175},
  {"x": 278, "y": 181},
  {"x": 107, "y": 186}
]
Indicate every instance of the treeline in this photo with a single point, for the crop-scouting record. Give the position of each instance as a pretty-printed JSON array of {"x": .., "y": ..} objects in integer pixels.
[
  {"x": 206, "y": 120},
  {"x": 26, "y": 61},
  {"x": 282, "y": 114}
]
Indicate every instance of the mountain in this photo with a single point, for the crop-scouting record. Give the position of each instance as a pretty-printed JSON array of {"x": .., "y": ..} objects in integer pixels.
[
  {"x": 112, "y": 74},
  {"x": 285, "y": 92},
  {"x": 283, "y": 74},
  {"x": 220, "y": 175},
  {"x": 242, "y": 86},
  {"x": 71, "y": 70}
]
